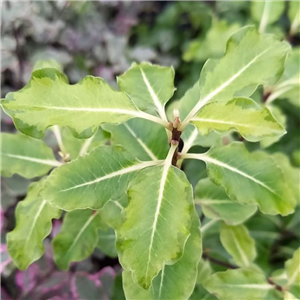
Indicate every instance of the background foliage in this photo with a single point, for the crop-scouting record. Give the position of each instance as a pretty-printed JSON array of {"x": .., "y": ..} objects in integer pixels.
[{"x": 103, "y": 39}]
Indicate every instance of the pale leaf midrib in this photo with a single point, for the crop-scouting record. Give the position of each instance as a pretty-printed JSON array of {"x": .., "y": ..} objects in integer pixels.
[
  {"x": 240, "y": 250},
  {"x": 213, "y": 201},
  {"x": 233, "y": 169},
  {"x": 212, "y": 94},
  {"x": 84, "y": 227},
  {"x": 42, "y": 205},
  {"x": 248, "y": 286},
  {"x": 235, "y": 124},
  {"x": 124, "y": 171},
  {"x": 157, "y": 211},
  {"x": 49, "y": 162},
  {"x": 143, "y": 145},
  {"x": 293, "y": 277},
  {"x": 153, "y": 95}
]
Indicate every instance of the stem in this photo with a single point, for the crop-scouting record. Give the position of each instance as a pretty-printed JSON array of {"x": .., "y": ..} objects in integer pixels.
[
  {"x": 208, "y": 225},
  {"x": 58, "y": 137},
  {"x": 264, "y": 18},
  {"x": 219, "y": 262},
  {"x": 172, "y": 151},
  {"x": 152, "y": 118}
]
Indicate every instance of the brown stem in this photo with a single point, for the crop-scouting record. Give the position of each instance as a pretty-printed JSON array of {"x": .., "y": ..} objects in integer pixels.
[
  {"x": 175, "y": 137},
  {"x": 218, "y": 262}
]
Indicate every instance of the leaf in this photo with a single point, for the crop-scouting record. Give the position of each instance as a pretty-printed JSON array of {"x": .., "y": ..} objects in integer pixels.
[
  {"x": 83, "y": 182},
  {"x": 25, "y": 156},
  {"x": 49, "y": 100},
  {"x": 294, "y": 14},
  {"x": 166, "y": 285},
  {"x": 149, "y": 86},
  {"x": 157, "y": 222},
  {"x": 215, "y": 204},
  {"x": 289, "y": 296},
  {"x": 248, "y": 178},
  {"x": 242, "y": 69},
  {"x": 238, "y": 284},
  {"x": 78, "y": 237},
  {"x": 292, "y": 267},
  {"x": 33, "y": 224},
  {"x": 78, "y": 147},
  {"x": 289, "y": 84},
  {"x": 281, "y": 119},
  {"x": 143, "y": 139},
  {"x": 238, "y": 243},
  {"x": 242, "y": 115},
  {"x": 85, "y": 286},
  {"x": 111, "y": 212},
  {"x": 291, "y": 174},
  {"x": 214, "y": 43},
  {"x": 107, "y": 242},
  {"x": 266, "y": 12}
]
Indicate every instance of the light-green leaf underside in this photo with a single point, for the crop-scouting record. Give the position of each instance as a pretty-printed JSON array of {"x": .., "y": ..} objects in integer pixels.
[
  {"x": 33, "y": 224},
  {"x": 157, "y": 222},
  {"x": 92, "y": 180},
  {"x": 78, "y": 237},
  {"x": 292, "y": 267},
  {"x": 49, "y": 100},
  {"x": 238, "y": 284},
  {"x": 216, "y": 204},
  {"x": 242, "y": 115},
  {"x": 249, "y": 178},
  {"x": 238, "y": 243},
  {"x": 25, "y": 156},
  {"x": 175, "y": 281}
]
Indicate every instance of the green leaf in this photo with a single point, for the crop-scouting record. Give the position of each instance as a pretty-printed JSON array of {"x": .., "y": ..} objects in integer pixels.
[
  {"x": 83, "y": 182},
  {"x": 238, "y": 243},
  {"x": 157, "y": 221},
  {"x": 294, "y": 14},
  {"x": 216, "y": 204},
  {"x": 289, "y": 84},
  {"x": 49, "y": 100},
  {"x": 281, "y": 119},
  {"x": 242, "y": 115},
  {"x": 292, "y": 267},
  {"x": 111, "y": 212},
  {"x": 78, "y": 237},
  {"x": 149, "y": 86},
  {"x": 248, "y": 178},
  {"x": 78, "y": 147},
  {"x": 25, "y": 156},
  {"x": 143, "y": 139},
  {"x": 238, "y": 284},
  {"x": 167, "y": 284},
  {"x": 242, "y": 68},
  {"x": 291, "y": 174},
  {"x": 266, "y": 12},
  {"x": 33, "y": 224},
  {"x": 107, "y": 242},
  {"x": 214, "y": 43}
]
